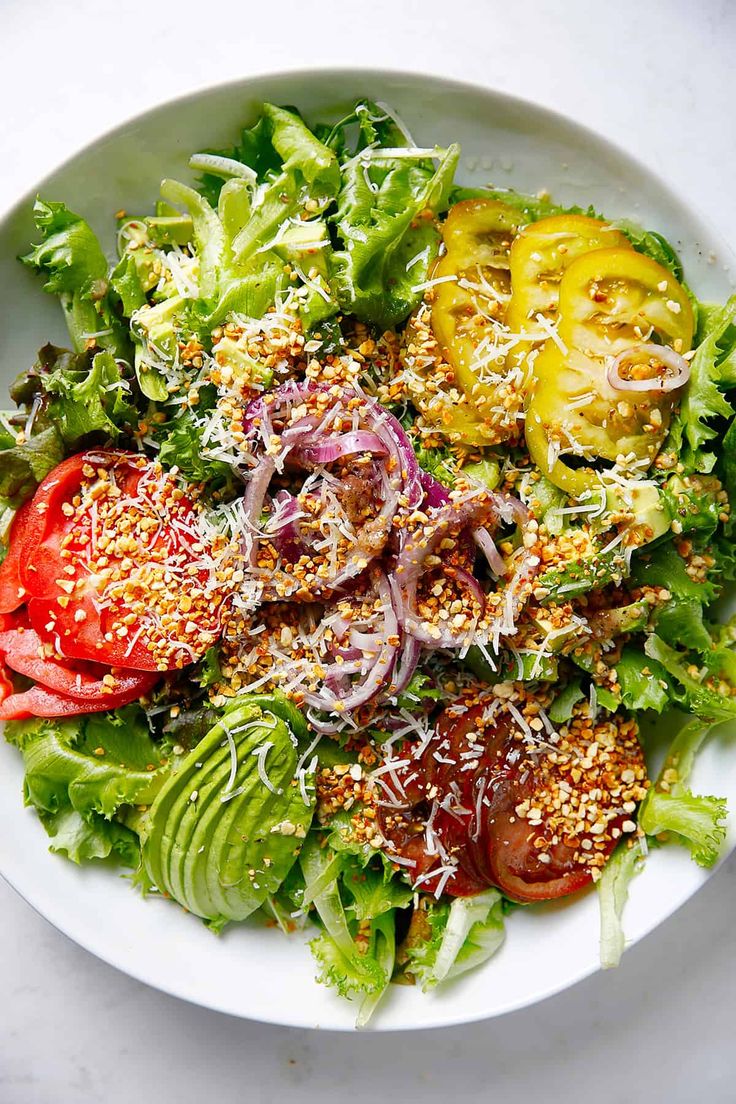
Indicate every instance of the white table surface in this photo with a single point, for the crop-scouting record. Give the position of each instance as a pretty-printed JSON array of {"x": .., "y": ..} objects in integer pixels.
[{"x": 657, "y": 77}]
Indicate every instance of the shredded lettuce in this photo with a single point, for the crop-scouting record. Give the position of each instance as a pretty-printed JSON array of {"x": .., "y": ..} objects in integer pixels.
[{"x": 613, "y": 893}]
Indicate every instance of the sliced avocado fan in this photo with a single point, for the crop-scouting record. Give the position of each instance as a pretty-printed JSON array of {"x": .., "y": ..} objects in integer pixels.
[{"x": 225, "y": 830}]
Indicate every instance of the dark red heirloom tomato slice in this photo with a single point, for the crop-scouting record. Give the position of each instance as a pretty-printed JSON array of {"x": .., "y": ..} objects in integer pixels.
[
  {"x": 112, "y": 576},
  {"x": 12, "y": 591},
  {"x": 86, "y": 682},
  {"x": 504, "y": 809}
]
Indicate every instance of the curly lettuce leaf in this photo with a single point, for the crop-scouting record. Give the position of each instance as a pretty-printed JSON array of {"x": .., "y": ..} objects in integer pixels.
[
  {"x": 580, "y": 576},
  {"x": 255, "y": 149},
  {"x": 180, "y": 445},
  {"x": 372, "y": 892},
  {"x": 664, "y": 567},
  {"x": 421, "y": 689},
  {"x": 562, "y": 707},
  {"x": 80, "y": 394},
  {"x": 83, "y": 774},
  {"x": 246, "y": 242},
  {"x": 654, "y": 244},
  {"x": 94, "y": 764},
  {"x": 695, "y": 502},
  {"x": 680, "y": 622},
  {"x": 461, "y": 936},
  {"x": 692, "y": 688},
  {"x": 546, "y": 503},
  {"x": 308, "y": 181},
  {"x": 437, "y": 462},
  {"x": 76, "y": 269},
  {"x": 712, "y": 370},
  {"x": 125, "y": 280},
  {"x": 697, "y": 819},
  {"x": 84, "y": 838},
  {"x": 65, "y": 399},
  {"x": 382, "y": 225},
  {"x": 643, "y": 681},
  {"x": 24, "y": 465},
  {"x": 356, "y": 968},
  {"x": 670, "y": 806}
]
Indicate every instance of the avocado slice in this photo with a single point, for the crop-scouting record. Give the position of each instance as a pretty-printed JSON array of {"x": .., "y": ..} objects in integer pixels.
[
  {"x": 186, "y": 815},
  {"x": 169, "y": 807},
  {"x": 652, "y": 514},
  {"x": 220, "y": 856}
]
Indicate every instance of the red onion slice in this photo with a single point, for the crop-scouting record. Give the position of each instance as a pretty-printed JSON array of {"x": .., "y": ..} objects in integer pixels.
[
  {"x": 312, "y": 440},
  {"x": 679, "y": 369},
  {"x": 435, "y": 493},
  {"x": 381, "y": 664},
  {"x": 406, "y": 666},
  {"x": 283, "y": 528},
  {"x": 487, "y": 545},
  {"x": 346, "y": 444},
  {"x": 253, "y": 503}
]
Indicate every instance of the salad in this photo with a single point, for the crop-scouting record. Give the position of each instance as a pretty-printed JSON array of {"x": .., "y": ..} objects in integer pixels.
[{"x": 356, "y": 542}]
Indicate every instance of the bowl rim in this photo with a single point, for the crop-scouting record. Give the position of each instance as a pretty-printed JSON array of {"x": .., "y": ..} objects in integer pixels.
[
  {"x": 379, "y": 72},
  {"x": 416, "y": 77}
]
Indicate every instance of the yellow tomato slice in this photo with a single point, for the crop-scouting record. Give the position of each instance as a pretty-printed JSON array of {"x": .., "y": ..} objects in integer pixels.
[
  {"x": 610, "y": 301},
  {"x": 615, "y": 298},
  {"x": 470, "y": 302},
  {"x": 582, "y": 412},
  {"x": 540, "y": 256}
]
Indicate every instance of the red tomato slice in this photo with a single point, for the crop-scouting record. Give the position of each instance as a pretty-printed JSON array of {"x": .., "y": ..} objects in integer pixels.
[
  {"x": 111, "y": 571},
  {"x": 12, "y": 591},
  {"x": 6, "y": 686},
  {"x": 39, "y": 702},
  {"x": 49, "y": 526},
  {"x": 22, "y": 650}
]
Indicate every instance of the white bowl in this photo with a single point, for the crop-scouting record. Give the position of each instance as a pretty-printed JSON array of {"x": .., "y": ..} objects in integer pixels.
[{"x": 250, "y": 971}]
